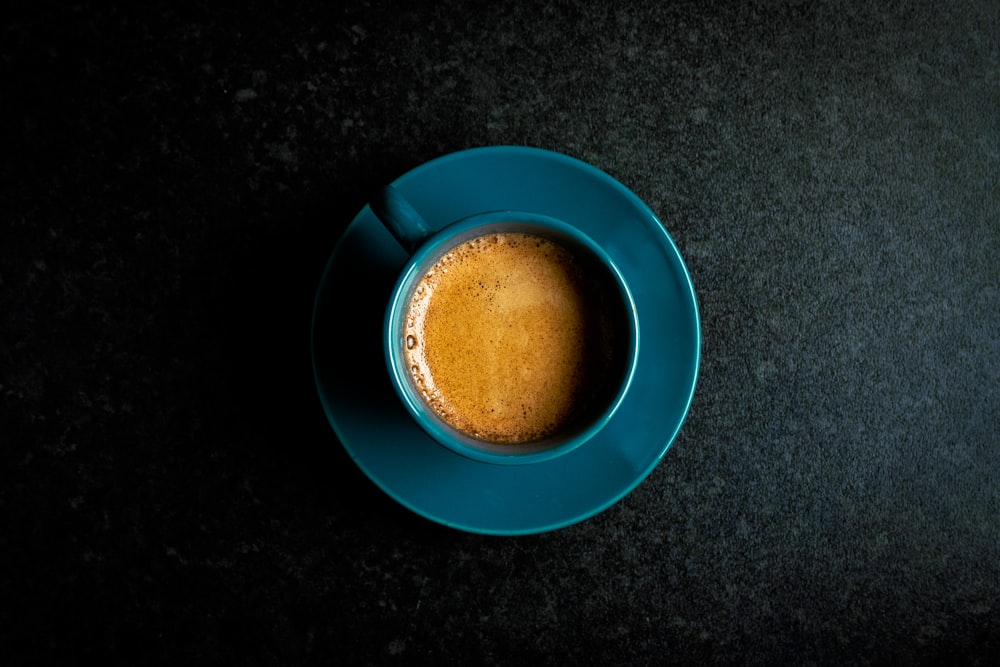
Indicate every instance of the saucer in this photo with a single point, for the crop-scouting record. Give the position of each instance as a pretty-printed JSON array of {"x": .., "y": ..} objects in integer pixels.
[{"x": 431, "y": 480}]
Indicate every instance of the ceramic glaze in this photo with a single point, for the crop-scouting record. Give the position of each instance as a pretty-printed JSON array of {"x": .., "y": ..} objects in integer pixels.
[{"x": 479, "y": 497}]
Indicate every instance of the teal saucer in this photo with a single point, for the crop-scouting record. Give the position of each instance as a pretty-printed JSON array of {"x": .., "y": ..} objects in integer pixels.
[{"x": 431, "y": 480}]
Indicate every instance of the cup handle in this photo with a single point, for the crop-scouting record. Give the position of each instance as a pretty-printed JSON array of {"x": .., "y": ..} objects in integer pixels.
[{"x": 400, "y": 218}]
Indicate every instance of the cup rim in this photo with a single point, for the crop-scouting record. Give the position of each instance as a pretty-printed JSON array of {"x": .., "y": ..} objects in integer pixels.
[{"x": 393, "y": 341}]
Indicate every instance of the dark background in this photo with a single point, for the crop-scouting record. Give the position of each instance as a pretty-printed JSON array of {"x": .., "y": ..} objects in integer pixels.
[{"x": 173, "y": 179}]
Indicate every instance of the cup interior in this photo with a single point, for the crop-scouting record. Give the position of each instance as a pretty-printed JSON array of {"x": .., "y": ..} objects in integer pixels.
[{"x": 599, "y": 402}]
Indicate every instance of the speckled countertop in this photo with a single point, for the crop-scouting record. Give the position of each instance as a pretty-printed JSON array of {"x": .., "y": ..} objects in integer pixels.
[{"x": 173, "y": 180}]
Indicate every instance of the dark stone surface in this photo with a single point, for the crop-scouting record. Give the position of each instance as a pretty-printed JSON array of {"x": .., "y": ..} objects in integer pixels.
[{"x": 172, "y": 181}]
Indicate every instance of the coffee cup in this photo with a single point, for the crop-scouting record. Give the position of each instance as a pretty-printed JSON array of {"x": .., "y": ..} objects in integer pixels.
[{"x": 510, "y": 337}]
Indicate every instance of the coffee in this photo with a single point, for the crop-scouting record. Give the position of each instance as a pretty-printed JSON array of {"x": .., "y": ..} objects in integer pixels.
[{"x": 512, "y": 337}]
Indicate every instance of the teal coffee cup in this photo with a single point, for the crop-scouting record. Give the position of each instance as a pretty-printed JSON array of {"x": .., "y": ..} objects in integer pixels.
[{"x": 510, "y": 336}]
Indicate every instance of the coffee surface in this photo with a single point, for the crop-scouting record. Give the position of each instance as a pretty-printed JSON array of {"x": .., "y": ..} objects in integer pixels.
[{"x": 508, "y": 339}]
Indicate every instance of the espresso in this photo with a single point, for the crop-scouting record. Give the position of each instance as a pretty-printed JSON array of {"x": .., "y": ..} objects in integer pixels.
[{"x": 512, "y": 337}]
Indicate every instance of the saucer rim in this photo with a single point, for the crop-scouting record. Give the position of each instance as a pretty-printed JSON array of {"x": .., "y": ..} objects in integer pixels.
[{"x": 663, "y": 443}]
